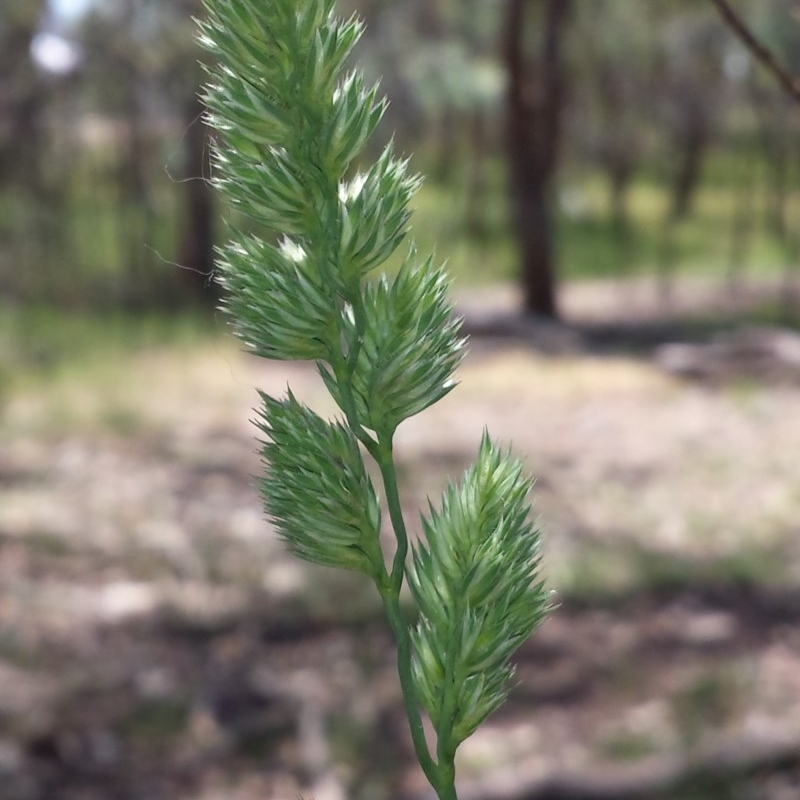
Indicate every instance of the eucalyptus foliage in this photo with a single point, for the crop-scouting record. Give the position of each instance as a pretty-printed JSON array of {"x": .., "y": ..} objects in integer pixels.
[{"x": 292, "y": 122}]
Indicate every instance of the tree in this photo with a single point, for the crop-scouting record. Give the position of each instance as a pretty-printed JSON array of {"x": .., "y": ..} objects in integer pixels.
[
  {"x": 21, "y": 86},
  {"x": 144, "y": 64},
  {"x": 536, "y": 95},
  {"x": 26, "y": 227}
]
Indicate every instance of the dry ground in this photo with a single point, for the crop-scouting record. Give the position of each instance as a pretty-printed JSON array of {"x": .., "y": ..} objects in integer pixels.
[{"x": 156, "y": 642}]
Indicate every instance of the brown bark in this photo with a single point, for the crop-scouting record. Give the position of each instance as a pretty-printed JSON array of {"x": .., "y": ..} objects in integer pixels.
[
  {"x": 536, "y": 90},
  {"x": 475, "y": 215},
  {"x": 22, "y": 92},
  {"x": 695, "y": 140}
]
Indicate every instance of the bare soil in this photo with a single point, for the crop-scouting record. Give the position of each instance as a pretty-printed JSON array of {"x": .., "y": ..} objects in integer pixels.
[{"x": 157, "y": 642}]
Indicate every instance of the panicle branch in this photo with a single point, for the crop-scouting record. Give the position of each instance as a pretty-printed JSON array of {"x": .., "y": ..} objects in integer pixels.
[{"x": 312, "y": 224}]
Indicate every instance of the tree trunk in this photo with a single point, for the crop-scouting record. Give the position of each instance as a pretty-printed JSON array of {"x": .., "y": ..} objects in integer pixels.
[
  {"x": 695, "y": 139},
  {"x": 536, "y": 88},
  {"x": 475, "y": 220}
]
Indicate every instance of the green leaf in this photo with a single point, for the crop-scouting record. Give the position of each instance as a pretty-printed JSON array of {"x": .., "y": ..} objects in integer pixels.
[
  {"x": 316, "y": 489},
  {"x": 476, "y": 582}
]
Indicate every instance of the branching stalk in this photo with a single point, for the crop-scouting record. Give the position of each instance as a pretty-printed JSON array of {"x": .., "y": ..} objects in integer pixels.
[{"x": 292, "y": 124}]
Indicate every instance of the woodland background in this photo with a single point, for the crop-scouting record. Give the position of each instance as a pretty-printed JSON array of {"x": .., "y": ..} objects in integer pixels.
[{"x": 615, "y": 185}]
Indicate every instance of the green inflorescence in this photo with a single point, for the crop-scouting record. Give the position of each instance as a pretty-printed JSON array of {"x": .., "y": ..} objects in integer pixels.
[
  {"x": 477, "y": 602},
  {"x": 291, "y": 122}
]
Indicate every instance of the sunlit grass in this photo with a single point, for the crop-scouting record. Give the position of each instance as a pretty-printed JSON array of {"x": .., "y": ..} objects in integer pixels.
[
  {"x": 63, "y": 371},
  {"x": 712, "y": 241},
  {"x": 45, "y": 339}
]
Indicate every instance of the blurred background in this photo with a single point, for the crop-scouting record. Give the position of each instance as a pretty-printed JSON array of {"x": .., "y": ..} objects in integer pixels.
[{"x": 615, "y": 188}]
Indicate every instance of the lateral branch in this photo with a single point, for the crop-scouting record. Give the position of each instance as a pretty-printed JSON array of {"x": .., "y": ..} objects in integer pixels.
[{"x": 758, "y": 49}]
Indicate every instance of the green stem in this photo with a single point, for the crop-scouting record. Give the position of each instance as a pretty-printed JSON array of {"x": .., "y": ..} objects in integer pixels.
[
  {"x": 389, "y": 585},
  {"x": 389, "y": 477},
  {"x": 391, "y": 604},
  {"x": 441, "y": 775},
  {"x": 343, "y": 368},
  {"x": 445, "y": 751}
]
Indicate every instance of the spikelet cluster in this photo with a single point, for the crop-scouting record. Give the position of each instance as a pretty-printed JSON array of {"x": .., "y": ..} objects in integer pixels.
[
  {"x": 291, "y": 122},
  {"x": 475, "y": 581}
]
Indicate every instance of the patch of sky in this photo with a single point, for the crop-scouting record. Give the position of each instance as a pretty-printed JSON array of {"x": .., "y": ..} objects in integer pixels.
[
  {"x": 70, "y": 9},
  {"x": 51, "y": 48}
]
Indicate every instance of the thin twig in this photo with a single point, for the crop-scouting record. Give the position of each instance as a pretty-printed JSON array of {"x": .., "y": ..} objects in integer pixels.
[{"x": 757, "y": 49}]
